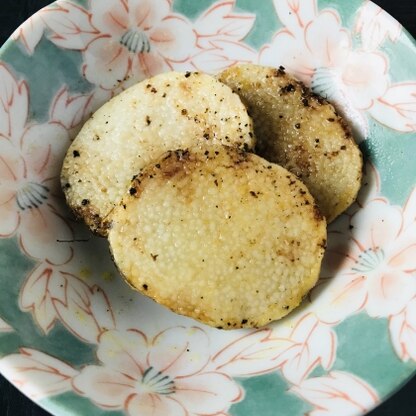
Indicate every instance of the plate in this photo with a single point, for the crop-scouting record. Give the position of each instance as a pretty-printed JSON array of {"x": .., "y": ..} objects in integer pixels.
[{"x": 78, "y": 341}]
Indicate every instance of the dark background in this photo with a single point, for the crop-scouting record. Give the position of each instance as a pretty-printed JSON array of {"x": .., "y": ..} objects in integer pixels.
[{"x": 13, "y": 403}]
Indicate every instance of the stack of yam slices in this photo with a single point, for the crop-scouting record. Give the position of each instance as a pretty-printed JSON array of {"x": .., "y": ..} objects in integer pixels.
[{"x": 195, "y": 219}]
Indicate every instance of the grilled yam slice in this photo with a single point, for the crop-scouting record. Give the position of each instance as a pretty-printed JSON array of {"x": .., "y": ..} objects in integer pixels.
[
  {"x": 220, "y": 235},
  {"x": 171, "y": 110},
  {"x": 302, "y": 132}
]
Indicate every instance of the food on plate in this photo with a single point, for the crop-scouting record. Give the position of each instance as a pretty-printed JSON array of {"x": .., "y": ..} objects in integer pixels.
[
  {"x": 220, "y": 235},
  {"x": 302, "y": 132},
  {"x": 169, "y": 111}
]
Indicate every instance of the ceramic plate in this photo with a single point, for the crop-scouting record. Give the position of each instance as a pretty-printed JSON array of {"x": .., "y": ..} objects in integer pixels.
[{"x": 78, "y": 341}]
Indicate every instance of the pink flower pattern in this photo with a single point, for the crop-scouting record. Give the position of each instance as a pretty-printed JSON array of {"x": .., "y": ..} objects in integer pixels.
[
  {"x": 52, "y": 293},
  {"x": 373, "y": 258},
  {"x": 29, "y": 167},
  {"x": 123, "y": 39},
  {"x": 164, "y": 375}
]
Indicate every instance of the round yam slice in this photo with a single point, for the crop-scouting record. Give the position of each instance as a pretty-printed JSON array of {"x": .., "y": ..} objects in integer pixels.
[
  {"x": 170, "y": 111},
  {"x": 302, "y": 132},
  {"x": 219, "y": 235}
]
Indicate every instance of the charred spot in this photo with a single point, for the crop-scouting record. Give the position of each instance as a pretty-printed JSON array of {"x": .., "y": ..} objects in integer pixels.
[
  {"x": 154, "y": 256},
  {"x": 153, "y": 90},
  {"x": 323, "y": 244},
  {"x": 286, "y": 307},
  {"x": 343, "y": 147},
  {"x": 305, "y": 102},
  {"x": 67, "y": 185},
  {"x": 75, "y": 153},
  {"x": 331, "y": 119},
  {"x": 318, "y": 98},
  {"x": 244, "y": 321},
  {"x": 253, "y": 194},
  {"x": 187, "y": 74},
  {"x": 157, "y": 166},
  {"x": 149, "y": 86},
  {"x": 302, "y": 192},
  {"x": 297, "y": 125},
  {"x": 317, "y": 213},
  {"x": 132, "y": 191},
  {"x": 85, "y": 202},
  {"x": 206, "y": 136},
  {"x": 279, "y": 71},
  {"x": 164, "y": 95},
  {"x": 219, "y": 327},
  {"x": 184, "y": 112},
  {"x": 145, "y": 287},
  {"x": 287, "y": 89},
  {"x": 148, "y": 120}
]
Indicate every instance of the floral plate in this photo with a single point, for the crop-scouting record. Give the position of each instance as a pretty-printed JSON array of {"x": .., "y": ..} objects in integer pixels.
[{"x": 78, "y": 341}]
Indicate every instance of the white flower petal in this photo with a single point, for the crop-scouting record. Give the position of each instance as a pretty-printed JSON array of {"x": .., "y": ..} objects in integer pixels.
[
  {"x": 339, "y": 393},
  {"x": 180, "y": 351},
  {"x": 375, "y": 26},
  {"x": 389, "y": 293},
  {"x": 43, "y": 284},
  {"x": 14, "y": 104},
  {"x": 296, "y": 14},
  {"x": 30, "y": 32},
  {"x": 207, "y": 393},
  {"x": 219, "y": 22},
  {"x": 70, "y": 25},
  {"x": 107, "y": 62},
  {"x": 39, "y": 230},
  {"x": 38, "y": 374},
  {"x": 173, "y": 38},
  {"x": 397, "y": 107},
  {"x": 124, "y": 351},
  {"x": 106, "y": 387},
  {"x": 251, "y": 354}
]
